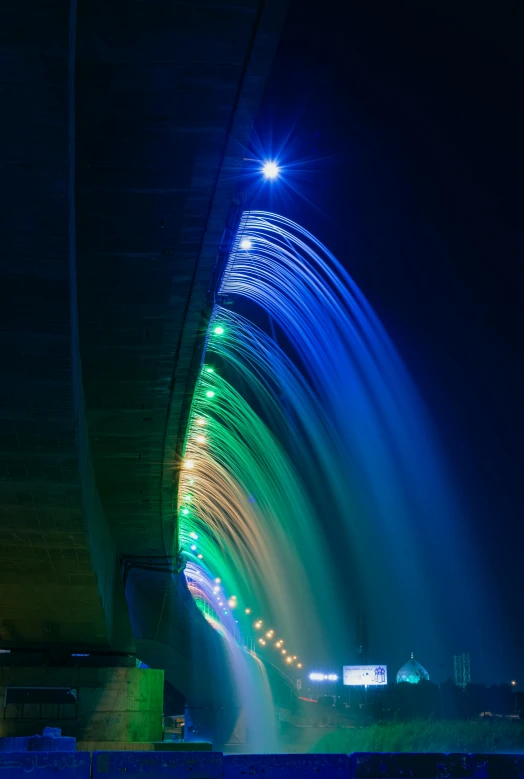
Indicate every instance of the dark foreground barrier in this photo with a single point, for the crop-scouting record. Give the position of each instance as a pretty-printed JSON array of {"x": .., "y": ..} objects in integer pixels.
[
  {"x": 418, "y": 765},
  {"x": 284, "y": 766},
  {"x": 45, "y": 765},
  {"x": 498, "y": 766},
  {"x": 214, "y": 765},
  {"x": 157, "y": 765}
]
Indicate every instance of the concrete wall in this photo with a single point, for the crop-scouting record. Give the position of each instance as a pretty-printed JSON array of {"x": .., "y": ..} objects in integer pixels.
[{"x": 112, "y": 705}]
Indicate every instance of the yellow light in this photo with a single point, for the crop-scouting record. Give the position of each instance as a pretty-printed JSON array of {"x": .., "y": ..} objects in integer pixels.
[
  {"x": 294, "y": 657},
  {"x": 200, "y": 421},
  {"x": 248, "y": 611},
  {"x": 269, "y": 634},
  {"x": 232, "y": 603},
  {"x": 200, "y": 556},
  {"x": 260, "y": 640},
  {"x": 289, "y": 659},
  {"x": 217, "y": 580},
  {"x": 299, "y": 665},
  {"x": 201, "y": 439},
  {"x": 284, "y": 652},
  {"x": 513, "y": 683},
  {"x": 188, "y": 464}
]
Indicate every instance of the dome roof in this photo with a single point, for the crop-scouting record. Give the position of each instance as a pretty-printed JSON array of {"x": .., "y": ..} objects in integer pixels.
[{"x": 412, "y": 672}]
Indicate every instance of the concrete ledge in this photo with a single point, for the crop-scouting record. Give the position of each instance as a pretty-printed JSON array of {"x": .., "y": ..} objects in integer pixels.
[
  {"x": 498, "y": 766},
  {"x": 284, "y": 766},
  {"x": 164, "y": 765},
  {"x": 45, "y": 765}
]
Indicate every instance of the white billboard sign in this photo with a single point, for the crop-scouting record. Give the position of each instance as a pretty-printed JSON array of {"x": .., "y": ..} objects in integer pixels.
[{"x": 365, "y": 675}]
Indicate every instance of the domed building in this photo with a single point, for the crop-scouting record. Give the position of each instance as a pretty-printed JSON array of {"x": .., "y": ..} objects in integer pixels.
[{"x": 412, "y": 672}]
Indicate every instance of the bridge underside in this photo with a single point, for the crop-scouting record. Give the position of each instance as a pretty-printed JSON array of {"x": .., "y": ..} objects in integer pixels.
[{"x": 125, "y": 125}]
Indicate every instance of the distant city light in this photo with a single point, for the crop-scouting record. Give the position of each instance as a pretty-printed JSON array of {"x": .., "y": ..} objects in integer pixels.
[
  {"x": 248, "y": 611},
  {"x": 299, "y": 665},
  {"x": 210, "y": 394},
  {"x": 245, "y": 243},
  {"x": 218, "y": 330},
  {"x": 270, "y": 170},
  {"x": 289, "y": 659},
  {"x": 318, "y": 677}
]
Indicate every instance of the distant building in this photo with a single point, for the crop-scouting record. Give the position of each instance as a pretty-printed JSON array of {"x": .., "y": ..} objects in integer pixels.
[
  {"x": 412, "y": 672},
  {"x": 462, "y": 669}
]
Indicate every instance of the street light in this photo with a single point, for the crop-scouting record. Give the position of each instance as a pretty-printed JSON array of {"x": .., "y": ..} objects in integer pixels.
[{"x": 270, "y": 169}]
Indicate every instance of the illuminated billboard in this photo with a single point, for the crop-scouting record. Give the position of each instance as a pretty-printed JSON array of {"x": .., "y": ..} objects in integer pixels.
[{"x": 365, "y": 675}]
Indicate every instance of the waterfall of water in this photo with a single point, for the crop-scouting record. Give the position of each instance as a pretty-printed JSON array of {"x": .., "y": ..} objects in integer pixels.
[{"x": 326, "y": 452}]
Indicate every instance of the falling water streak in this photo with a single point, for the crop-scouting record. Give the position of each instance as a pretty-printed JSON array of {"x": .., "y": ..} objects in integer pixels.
[
  {"x": 375, "y": 422},
  {"x": 267, "y": 540}
]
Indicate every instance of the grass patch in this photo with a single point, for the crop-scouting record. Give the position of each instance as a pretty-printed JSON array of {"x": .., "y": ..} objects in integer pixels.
[{"x": 426, "y": 736}]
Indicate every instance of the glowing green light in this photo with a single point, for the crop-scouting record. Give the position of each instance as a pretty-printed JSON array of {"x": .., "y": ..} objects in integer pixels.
[
  {"x": 210, "y": 370},
  {"x": 210, "y": 394},
  {"x": 218, "y": 330}
]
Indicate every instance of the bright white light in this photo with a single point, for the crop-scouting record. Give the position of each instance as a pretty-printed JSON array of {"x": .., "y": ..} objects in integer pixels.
[
  {"x": 201, "y": 439},
  {"x": 316, "y": 677},
  {"x": 270, "y": 170},
  {"x": 194, "y": 535},
  {"x": 200, "y": 421},
  {"x": 189, "y": 464},
  {"x": 245, "y": 243},
  {"x": 193, "y": 547}
]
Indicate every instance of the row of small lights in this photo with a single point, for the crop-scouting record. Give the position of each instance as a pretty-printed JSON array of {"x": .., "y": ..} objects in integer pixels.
[{"x": 232, "y": 602}]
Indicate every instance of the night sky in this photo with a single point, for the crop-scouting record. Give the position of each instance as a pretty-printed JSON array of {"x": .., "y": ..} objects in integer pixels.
[{"x": 406, "y": 120}]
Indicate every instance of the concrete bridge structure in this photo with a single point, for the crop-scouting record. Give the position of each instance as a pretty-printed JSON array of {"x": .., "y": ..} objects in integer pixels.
[{"x": 124, "y": 126}]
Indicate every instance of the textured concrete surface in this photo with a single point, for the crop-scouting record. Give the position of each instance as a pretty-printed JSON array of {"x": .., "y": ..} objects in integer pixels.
[
  {"x": 44, "y": 765},
  {"x": 126, "y": 130},
  {"x": 110, "y": 704},
  {"x": 284, "y": 766},
  {"x": 166, "y": 765}
]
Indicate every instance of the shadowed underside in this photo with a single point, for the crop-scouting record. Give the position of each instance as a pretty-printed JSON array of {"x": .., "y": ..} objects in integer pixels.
[{"x": 104, "y": 283}]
